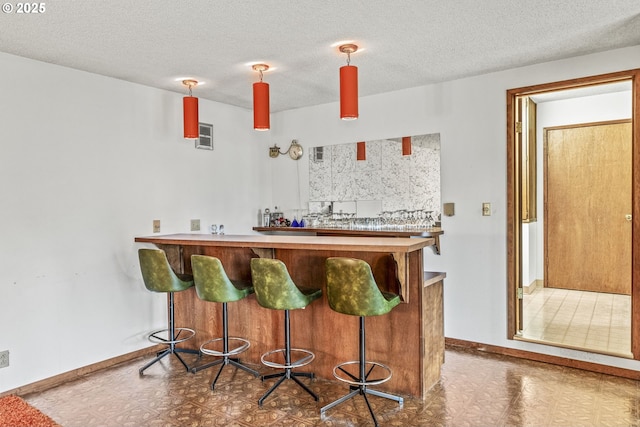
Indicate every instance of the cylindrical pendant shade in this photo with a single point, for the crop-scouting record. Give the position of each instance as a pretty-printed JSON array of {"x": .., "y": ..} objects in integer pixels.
[
  {"x": 348, "y": 92},
  {"x": 406, "y": 145},
  {"x": 190, "y": 110},
  {"x": 261, "y": 106},
  {"x": 361, "y": 151}
]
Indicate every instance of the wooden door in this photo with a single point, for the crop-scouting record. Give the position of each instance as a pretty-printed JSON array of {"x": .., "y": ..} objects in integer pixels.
[{"x": 588, "y": 206}]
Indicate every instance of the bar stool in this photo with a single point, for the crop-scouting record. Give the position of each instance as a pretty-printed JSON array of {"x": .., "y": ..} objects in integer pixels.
[
  {"x": 158, "y": 276},
  {"x": 212, "y": 284},
  {"x": 275, "y": 290},
  {"x": 352, "y": 290}
]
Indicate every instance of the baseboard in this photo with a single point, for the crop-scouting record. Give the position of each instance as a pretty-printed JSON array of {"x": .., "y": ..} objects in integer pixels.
[
  {"x": 57, "y": 380},
  {"x": 538, "y": 283},
  {"x": 545, "y": 358}
]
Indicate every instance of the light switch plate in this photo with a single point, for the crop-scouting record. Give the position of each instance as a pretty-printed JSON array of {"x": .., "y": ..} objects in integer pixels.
[{"x": 486, "y": 209}]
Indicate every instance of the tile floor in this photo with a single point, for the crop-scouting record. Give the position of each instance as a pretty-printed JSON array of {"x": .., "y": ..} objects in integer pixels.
[
  {"x": 590, "y": 320},
  {"x": 476, "y": 389}
]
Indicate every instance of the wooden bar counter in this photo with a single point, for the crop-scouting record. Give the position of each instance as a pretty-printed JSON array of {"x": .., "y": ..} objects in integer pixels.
[{"x": 410, "y": 339}]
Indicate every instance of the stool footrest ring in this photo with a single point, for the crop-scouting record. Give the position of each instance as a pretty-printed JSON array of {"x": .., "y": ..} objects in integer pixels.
[
  {"x": 241, "y": 346},
  {"x": 186, "y": 333},
  {"x": 341, "y": 374},
  {"x": 305, "y": 358}
]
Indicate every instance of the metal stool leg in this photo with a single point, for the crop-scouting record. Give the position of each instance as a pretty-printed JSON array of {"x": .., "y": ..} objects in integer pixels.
[
  {"x": 385, "y": 395},
  {"x": 226, "y": 359},
  {"x": 287, "y": 374},
  {"x": 238, "y": 364},
  {"x": 158, "y": 357},
  {"x": 359, "y": 385},
  {"x": 171, "y": 342},
  {"x": 273, "y": 387}
]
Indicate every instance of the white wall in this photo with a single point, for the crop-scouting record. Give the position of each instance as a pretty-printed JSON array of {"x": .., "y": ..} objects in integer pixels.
[
  {"x": 470, "y": 115},
  {"x": 529, "y": 253},
  {"x": 86, "y": 164}
]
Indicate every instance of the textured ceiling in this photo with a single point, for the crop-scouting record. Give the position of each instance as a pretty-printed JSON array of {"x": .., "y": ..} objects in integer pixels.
[{"x": 405, "y": 43}]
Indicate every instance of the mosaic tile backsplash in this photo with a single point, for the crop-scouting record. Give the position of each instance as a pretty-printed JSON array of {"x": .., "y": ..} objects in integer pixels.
[{"x": 386, "y": 178}]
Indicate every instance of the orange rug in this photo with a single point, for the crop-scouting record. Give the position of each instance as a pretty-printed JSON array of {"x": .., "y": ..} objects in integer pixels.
[{"x": 15, "y": 412}]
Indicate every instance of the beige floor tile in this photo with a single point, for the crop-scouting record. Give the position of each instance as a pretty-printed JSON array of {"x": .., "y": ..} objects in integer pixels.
[{"x": 601, "y": 321}]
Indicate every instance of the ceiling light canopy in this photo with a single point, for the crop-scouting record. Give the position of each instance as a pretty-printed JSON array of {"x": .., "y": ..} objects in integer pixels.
[
  {"x": 261, "y": 113},
  {"x": 190, "y": 112},
  {"x": 348, "y": 85}
]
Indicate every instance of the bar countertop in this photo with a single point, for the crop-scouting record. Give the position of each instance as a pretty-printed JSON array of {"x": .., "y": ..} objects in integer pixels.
[{"x": 362, "y": 244}]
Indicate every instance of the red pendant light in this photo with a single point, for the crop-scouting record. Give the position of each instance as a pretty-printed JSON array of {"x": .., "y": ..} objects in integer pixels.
[
  {"x": 348, "y": 86},
  {"x": 190, "y": 112},
  {"x": 406, "y": 145},
  {"x": 261, "y": 114},
  {"x": 361, "y": 151}
]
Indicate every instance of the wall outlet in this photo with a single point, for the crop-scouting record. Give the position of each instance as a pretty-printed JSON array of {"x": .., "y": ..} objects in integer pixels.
[
  {"x": 4, "y": 359},
  {"x": 195, "y": 225},
  {"x": 156, "y": 225}
]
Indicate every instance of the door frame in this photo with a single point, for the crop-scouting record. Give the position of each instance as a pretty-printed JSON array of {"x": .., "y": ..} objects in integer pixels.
[{"x": 514, "y": 214}]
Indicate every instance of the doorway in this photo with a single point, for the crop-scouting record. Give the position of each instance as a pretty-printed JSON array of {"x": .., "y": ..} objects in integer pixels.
[{"x": 538, "y": 264}]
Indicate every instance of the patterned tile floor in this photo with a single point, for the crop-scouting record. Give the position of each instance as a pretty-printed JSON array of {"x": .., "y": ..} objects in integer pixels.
[{"x": 476, "y": 389}]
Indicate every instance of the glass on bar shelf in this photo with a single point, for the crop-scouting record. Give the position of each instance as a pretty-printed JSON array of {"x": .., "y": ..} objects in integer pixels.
[{"x": 397, "y": 220}]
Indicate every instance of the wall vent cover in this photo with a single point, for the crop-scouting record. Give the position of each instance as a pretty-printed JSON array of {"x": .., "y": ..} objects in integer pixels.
[{"x": 205, "y": 141}]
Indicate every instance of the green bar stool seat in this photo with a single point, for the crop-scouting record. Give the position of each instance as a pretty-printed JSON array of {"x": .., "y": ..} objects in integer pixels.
[
  {"x": 158, "y": 276},
  {"x": 352, "y": 290},
  {"x": 275, "y": 290},
  {"x": 213, "y": 285}
]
